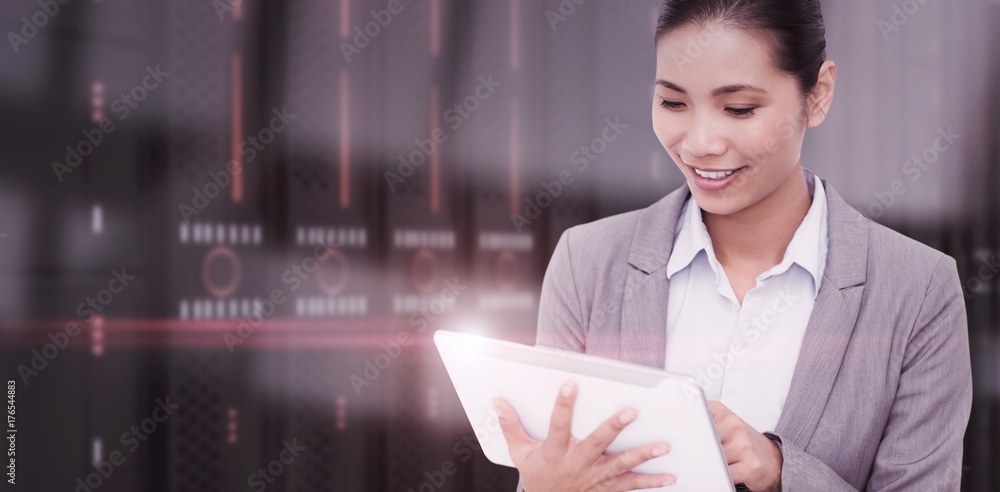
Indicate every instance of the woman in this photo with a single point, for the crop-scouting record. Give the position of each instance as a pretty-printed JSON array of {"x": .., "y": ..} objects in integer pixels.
[{"x": 837, "y": 349}]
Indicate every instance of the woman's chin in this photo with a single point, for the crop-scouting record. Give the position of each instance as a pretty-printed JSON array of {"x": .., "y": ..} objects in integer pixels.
[{"x": 718, "y": 205}]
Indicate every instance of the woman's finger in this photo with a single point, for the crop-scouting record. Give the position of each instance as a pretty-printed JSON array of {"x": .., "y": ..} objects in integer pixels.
[
  {"x": 637, "y": 481},
  {"x": 727, "y": 429},
  {"x": 594, "y": 445},
  {"x": 622, "y": 463},
  {"x": 518, "y": 441},
  {"x": 557, "y": 442}
]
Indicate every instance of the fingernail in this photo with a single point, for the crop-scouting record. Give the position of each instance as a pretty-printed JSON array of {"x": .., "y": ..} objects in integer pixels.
[
  {"x": 659, "y": 451},
  {"x": 627, "y": 416},
  {"x": 567, "y": 389},
  {"x": 669, "y": 481},
  {"x": 496, "y": 406}
]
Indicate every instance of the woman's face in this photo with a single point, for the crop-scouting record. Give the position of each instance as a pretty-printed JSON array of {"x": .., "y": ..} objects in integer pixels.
[{"x": 720, "y": 106}]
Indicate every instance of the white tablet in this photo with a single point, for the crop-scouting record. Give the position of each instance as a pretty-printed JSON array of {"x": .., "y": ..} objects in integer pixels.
[{"x": 671, "y": 408}]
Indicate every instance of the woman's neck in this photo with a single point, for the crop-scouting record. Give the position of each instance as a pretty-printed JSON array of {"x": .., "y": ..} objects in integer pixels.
[{"x": 759, "y": 234}]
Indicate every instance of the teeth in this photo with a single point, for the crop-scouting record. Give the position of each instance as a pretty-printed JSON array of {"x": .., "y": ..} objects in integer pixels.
[{"x": 711, "y": 175}]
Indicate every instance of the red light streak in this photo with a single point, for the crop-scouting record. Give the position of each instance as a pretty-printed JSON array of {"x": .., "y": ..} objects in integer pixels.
[
  {"x": 515, "y": 157},
  {"x": 237, "y": 126},
  {"x": 436, "y": 155},
  {"x": 345, "y": 141}
]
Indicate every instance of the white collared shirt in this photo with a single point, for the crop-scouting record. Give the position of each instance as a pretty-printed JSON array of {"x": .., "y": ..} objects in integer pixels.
[{"x": 743, "y": 356}]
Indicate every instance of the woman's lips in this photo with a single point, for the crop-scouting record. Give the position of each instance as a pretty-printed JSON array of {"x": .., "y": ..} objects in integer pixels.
[{"x": 713, "y": 184}]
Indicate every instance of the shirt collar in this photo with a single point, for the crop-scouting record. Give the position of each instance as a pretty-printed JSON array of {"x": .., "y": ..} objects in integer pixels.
[{"x": 807, "y": 248}]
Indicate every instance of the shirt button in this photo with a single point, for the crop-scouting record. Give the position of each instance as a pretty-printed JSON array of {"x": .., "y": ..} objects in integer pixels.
[{"x": 736, "y": 307}]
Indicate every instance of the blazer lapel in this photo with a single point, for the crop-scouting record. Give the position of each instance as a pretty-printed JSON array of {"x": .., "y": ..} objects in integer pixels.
[
  {"x": 644, "y": 306},
  {"x": 831, "y": 324},
  {"x": 823, "y": 346}
]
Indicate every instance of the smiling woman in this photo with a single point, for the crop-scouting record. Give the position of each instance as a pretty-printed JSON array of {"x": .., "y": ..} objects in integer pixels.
[{"x": 860, "y": 380}]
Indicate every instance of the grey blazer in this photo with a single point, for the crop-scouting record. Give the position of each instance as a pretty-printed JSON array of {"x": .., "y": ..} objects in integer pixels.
[{"x": 882, "y": 390}]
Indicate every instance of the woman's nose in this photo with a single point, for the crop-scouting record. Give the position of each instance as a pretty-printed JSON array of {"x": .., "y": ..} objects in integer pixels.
[{"x": 702, "y": 139}]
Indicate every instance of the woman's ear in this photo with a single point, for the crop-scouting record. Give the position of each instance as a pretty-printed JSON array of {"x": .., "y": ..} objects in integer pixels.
[{"x": 822, "y": 94}]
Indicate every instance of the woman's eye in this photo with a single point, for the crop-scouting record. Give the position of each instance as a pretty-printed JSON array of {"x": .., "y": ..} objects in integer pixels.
[
  {"x": 741, "y": 111},
  {"x": 738, "y": 112},
  {"x": 670, "y": 104}
]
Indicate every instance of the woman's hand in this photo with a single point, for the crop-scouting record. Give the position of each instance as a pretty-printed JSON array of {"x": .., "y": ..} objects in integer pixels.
[
  {"x": 562, "y": 463},
  {"x": 754, "y": 460}
]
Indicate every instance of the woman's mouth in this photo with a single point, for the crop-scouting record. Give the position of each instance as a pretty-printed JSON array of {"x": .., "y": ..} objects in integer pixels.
[{"x": 715, "y": 180}]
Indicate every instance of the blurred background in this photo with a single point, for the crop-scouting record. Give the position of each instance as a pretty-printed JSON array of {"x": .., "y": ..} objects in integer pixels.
[{"x": 238, "y": 207}]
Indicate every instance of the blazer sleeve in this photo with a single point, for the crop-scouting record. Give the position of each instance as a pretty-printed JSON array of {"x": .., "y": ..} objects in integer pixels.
[
  {"x": 561, "y": 322},
  {"x": 560, "y": 313},
  {"x": 921, "y": 446}
]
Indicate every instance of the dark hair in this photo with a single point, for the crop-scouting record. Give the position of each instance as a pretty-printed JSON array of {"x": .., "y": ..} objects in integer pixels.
[{"x": 793, "y": 28}]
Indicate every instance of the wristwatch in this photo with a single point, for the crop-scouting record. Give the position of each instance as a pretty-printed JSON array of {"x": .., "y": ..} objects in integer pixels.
[{"x": 776, "y": 440}]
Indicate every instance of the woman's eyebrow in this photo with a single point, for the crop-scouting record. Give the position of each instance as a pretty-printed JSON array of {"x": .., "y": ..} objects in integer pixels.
[{"x": 729, "y": 89}]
